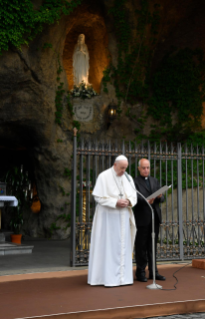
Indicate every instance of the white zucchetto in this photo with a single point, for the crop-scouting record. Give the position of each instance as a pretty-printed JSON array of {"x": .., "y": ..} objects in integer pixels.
[{"x": 121, "y": 158}]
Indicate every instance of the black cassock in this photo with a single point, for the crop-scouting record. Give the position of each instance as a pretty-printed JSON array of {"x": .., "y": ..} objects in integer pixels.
[{"x": 143, "y": 218}]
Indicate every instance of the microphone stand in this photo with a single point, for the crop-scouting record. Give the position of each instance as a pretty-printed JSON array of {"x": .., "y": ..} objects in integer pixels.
[{"x": 153, "y": 285}]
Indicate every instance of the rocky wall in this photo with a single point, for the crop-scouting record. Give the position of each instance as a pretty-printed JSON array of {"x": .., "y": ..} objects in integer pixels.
[{"x": 28, "y": 90}]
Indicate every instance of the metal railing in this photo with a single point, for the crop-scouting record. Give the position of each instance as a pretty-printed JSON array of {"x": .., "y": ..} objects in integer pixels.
[{"x": 182, "y": 233}]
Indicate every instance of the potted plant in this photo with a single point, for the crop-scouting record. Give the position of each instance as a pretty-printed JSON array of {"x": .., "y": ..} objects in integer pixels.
[
  {"x": 16, "y": 224},
  {"x": 18, "y": 185}
]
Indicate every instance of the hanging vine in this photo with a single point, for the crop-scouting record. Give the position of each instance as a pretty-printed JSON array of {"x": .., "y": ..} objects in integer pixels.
[
  {"x": 134, "y": 55},
  {"x": 20, "y": 22},
  {"x": 174, "y": 93},
  {"x": 178, "y": 92}
]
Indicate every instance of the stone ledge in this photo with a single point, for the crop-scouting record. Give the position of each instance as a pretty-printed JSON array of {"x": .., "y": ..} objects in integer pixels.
[
  {"x": 198, "y": 263},
  {"x": 14, "y": 249}
]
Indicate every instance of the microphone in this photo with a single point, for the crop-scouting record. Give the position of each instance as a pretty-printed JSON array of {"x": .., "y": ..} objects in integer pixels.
[{"x": 153, "y": 285}]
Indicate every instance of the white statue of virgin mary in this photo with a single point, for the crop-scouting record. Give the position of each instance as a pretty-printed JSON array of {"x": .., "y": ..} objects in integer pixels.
[{"x": 81, "y": 61}]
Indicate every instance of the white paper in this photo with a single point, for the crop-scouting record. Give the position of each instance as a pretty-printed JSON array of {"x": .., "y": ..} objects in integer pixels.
[{"x": 160, "y": 191}]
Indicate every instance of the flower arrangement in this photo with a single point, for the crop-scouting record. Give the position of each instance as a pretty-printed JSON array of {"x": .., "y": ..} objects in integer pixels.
[{"x": 83, "y": 91}]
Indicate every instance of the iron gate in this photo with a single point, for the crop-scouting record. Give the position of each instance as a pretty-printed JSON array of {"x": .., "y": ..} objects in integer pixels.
[{"x": 182, "y": 233}]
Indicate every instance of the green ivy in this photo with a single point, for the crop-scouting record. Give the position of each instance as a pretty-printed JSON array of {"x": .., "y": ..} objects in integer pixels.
[
  {"x": 77, "y": 125},
  {"x": 134, "y": 55},
  {"x": 20, "y": 22},
  {"x": 52, "y": 229},
  {"x": 106, "y": 79},
  {"x": 59, "y": 94},
  {"x": 66, "y": 218},
  {"x": 196, "y": 139},
  {"x": 69, "y": 104},
  {"x": 62, "y": 190},
  {"x": 178, "y": 91},
  {"x": 174, "y": 92},
  {"x": 58, "y": 101},
  {"x": 67, "y": 173}
]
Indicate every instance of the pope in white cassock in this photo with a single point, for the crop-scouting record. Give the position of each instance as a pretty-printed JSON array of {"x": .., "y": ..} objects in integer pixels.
[{"x": 113, "y": 230}]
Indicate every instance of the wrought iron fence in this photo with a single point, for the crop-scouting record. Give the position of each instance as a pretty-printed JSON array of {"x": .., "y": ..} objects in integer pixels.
[{"x": 182, "y": 233}]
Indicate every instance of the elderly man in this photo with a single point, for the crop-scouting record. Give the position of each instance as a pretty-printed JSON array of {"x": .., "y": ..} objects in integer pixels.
[
  {"x": 146, "y": 185},
  {"x": 113, "y": 231}
]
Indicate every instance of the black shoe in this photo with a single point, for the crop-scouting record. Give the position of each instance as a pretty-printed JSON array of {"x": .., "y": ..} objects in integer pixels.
[
  {"x": 158, "y": 277},
  {"x": 141, "y": 278}
]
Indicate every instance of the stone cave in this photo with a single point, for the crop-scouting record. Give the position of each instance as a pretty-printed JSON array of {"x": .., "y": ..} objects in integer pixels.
[
  {"x": 28, "y": 92},
  {"x": 22, "y": 158},
  {"x": 27, "y": 112},
  {"x": 41, "y": 125}
]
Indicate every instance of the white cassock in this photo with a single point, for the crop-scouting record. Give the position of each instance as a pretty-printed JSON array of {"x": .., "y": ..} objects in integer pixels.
[{"x": 113, "y": 231}]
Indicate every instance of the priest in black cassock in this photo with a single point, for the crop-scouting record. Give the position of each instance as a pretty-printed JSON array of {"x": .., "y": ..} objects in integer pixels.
[{"x": 146, "y": 185}]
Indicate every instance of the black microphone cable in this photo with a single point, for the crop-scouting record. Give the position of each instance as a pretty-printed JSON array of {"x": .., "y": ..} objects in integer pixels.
[{"x": 177, "y": 281}]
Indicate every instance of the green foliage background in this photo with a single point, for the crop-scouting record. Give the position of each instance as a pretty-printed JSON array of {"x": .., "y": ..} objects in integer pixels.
[
  {"x": 174, "y": 92},
  {"x": 178, "y": 90},
  {"x": 20, "y": 23}
]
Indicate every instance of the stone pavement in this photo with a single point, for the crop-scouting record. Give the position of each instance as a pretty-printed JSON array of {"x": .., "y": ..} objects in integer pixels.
[
  {"x": 48, "y": 255},
  {"x": 183, "y": 316}
]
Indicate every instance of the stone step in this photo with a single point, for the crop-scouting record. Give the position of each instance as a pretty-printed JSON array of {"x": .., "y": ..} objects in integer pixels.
[
  {"x": 5, "y": 235},
  {"x": 14, "y": 249}
]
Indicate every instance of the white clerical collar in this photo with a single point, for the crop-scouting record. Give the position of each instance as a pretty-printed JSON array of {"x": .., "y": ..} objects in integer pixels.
[{"x": 143, "y": 177}]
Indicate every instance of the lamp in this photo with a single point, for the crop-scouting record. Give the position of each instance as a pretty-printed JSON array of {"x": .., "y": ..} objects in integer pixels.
[{"x": 111, "y": 113}]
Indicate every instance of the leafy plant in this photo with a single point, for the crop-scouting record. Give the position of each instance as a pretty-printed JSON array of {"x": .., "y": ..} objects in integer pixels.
[
  {"x": 53, "y": 228},
  {"x": 178, "y": 91},
  {"x": 20, "y": 22},
  {"x": 83, "y": 91},
  {"x": 70, "y": 106},
  {"x": 18, "y": 185},
  {"x": 134, "y": 54},
  {"x": 66, "y": 218},
  {"x": 67, "y": 172},
  {"x": 174, "y": 92}
]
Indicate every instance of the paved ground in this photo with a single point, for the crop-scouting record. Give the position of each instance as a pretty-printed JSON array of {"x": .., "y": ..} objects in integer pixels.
[
  {"x": 48, "y": 255},
  {"x": 185, "y": 316}
]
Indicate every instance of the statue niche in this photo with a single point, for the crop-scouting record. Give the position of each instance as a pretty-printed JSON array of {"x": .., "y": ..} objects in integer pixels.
[{"x": 80, "y": 62}]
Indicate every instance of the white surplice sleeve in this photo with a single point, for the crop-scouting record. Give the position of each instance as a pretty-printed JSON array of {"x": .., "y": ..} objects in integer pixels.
[
  {"x": 105, "y": 190},
  {"x": 106, "y": 201}
]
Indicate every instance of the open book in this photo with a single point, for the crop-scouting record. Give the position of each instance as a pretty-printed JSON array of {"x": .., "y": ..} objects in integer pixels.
[{"x": 160, "y": 191}]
